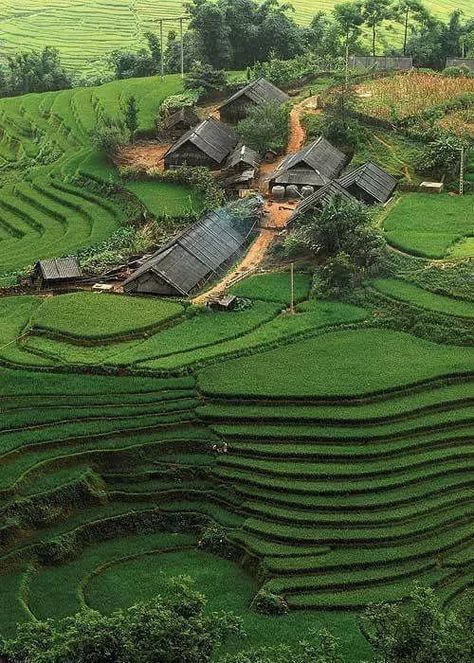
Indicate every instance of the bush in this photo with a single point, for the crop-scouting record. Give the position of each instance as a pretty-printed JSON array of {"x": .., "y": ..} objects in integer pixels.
[
  {"x": 442, "y": 156},
  {"x": 270, "y": 604},
  {"x": 176, "y": 102},
  {"x": 266, "y": 127},
  {"x": 109, "y": 136},
  {"x": 461, "y": 71},
  {"x": 205, "y": 79}
]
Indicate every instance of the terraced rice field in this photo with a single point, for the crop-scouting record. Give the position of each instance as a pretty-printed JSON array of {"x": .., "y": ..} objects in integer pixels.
[
  {"x": 48, "y": 136},
  {"x": 432, "y": 226},
  {"x": 348, "y": 475},
  {"x": 86, "y": 32}
]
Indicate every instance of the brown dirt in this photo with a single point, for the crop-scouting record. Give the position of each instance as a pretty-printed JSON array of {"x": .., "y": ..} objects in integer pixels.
[{"x": 142, "y": 155}]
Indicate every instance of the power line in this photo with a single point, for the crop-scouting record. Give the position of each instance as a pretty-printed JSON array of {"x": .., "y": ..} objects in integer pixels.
[{"x": 173, "y": 19}]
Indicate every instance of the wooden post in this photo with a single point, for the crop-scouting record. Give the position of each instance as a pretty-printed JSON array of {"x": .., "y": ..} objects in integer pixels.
[
  {"x": 461, "y": 173},
  {"x": 162, "y": 53},
  {"x": 292, "y": 299},
  {"x": 182, "y": 46}
]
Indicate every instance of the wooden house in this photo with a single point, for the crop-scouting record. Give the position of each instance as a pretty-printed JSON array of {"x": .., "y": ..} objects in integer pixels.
[
  {"x": 313, "y": 166},
  {"x": 56, "y": 273},
  {"x": 318, "y": 201},
  {"x": 177, "y": 124},
  {"x": 200, "y": 253},
  {"x": 208, "y": 144},
  {"x": 256, "y": 93},
  {"x": 370, "y": 184}
]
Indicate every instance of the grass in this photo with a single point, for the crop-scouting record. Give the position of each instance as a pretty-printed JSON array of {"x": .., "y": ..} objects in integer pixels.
[
  {"x": 407, "y": 292},
  {"x": 97, "y": 316},
  {"x": 274, "y": 287},
  {"x": 345, "y": 363},
  {"x": 50, "y": 135},
  {"x": 430, "y": 225}
]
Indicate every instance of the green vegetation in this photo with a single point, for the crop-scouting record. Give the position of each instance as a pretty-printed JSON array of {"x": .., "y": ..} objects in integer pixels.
[
  {"x": 94, "y": 316},
  {"x": 430, "y": 226},
  {"x": 406, "y": 292},
  {"x": 274, "y": 287},
  {"x": 337, "y": 364}
]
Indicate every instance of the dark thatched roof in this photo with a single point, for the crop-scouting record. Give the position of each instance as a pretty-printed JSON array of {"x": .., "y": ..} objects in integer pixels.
[
  {"x": 59, "y": 269},
  {"x": 186, "y": 116},
  {"x": 259, "y": 92},
  {"x": 371, "y": 179},
  {"x": 320, "y": 199},
  {"x": 242, "y": 155},
  {"x": 202, "y": 249},
  {"x": 215, "y": 139},
  {"x": 316, "y": 164}
]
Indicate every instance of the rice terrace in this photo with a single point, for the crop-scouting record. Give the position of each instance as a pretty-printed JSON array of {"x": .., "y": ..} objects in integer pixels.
[{"x": 237, "y": 332}]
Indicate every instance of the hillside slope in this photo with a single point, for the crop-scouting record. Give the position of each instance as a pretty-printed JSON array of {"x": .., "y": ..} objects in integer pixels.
[{"x": 87, "y": 31}]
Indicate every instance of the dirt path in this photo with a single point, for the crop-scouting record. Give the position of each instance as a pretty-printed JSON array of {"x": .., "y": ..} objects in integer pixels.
[
  {"x": 142, "y": 155},
  {"x": 276, "y": 215}
]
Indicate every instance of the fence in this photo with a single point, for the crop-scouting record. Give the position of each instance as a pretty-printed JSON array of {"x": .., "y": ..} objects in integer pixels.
[{"x": 381, "y": 62}]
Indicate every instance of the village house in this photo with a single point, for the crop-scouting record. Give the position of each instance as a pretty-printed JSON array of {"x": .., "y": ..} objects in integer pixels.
[
  {"x": 312, "y": 167},
  {"x": 56, "y": 273},
  {"x": 198, "y": 254},
  {"x": 257, "y": 93},
  {"x": 177, "y": 124},
  {"x": 208, "y": 144},
  {"x": 370, "y": 184},
  {"x": 319, "y": 199}
]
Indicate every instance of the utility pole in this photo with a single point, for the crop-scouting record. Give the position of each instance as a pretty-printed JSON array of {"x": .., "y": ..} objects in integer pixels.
[
  {"x": 182, "y": 45},
  {"x": 162, "y": 52},
  {"x": 292, "y": 297},
  {"x": 461, "y": 172}
]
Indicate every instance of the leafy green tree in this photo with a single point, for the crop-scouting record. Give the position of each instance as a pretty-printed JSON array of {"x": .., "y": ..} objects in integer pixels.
[
  {"x": 265, "y": 127},
  {"x": 424, "y": 634},
  {"x": 171, "y": 629},
  {"x": 442, "y": 156},
  {"x": 407, "y": 12},
  {"x": 34, "y": 71},
  {"x": 154, "y": 47},
  {"x": 348, "y": 18},
  {"x": 375, "y": 13},
  {"x": 212, "y": 34},
  {"x": 109, "y": 136},
  {"x": 131, "y": 115},
  {"x": 205, "y": 78}
]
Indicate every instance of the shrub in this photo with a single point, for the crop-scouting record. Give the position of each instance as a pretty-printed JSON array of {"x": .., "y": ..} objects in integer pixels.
[
  {"x": 442, "y": 156},
  {"x": 269, "y": 604},
  {"x": 109, "y": 136},
  {"x": 266, "y": 127},
  {"x": 205, "y": 79},
  {"x": 176, "y": 102},
  {"x": 457, "y": 72}
]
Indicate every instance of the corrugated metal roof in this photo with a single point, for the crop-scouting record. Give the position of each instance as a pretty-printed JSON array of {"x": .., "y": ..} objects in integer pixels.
[
  {"x": 201, "y": 249},
  {"x": 60, "y": 268},
  {"x": 372, "y": 179},
  {"x": 260, "y": 92},
  {"x": 243, "y": 154},
  {"x": 210, "y": 136},
  {"x": 300, "y": 177},
  {"x": 320, "y": 199}
]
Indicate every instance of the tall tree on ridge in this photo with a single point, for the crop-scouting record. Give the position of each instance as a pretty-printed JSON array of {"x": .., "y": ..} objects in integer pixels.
[
  {"x": 348, "y": 17},
  {"x": 408, "y": 10},
  {"x": 375, "y": 12}
]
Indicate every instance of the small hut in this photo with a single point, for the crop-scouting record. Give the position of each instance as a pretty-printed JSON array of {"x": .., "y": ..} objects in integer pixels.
[
  {"x": 257, "y": 93},
  {"x": 315, "y": 166},
  {"x": 177, "y": 124},
  {"x": 56, "y": 273},
  {"x": 318, "y": 201},
  {"x": 208, "y": 144},
  {"x": 370, "y": 184},
  {"x": 242, "y": 158}
]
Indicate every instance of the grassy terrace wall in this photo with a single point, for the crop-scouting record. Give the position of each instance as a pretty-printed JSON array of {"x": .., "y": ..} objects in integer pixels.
[
  {"x": 49, "y": 136},
  {"x": 349, "y": 469}
]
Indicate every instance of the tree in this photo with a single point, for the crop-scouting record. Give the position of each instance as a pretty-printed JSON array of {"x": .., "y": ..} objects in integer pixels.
[
  {"x": 34, "y": 71},
  {"x": 109, "y": 136},
  {"x": 172, "y": 628},
  {"x": 425, "y": 633},
  {"x": 442, "y": 156},
  {"x": 406, "y": 12},
  {"x": 211, "y": 31},
  {"x": 205, "y": 78},
  {"x": 265, "y": 127},
  {"x": 348, "y": 17},
  {"x": 131, "y": 115},
  {"x": 375, "y": 12}
]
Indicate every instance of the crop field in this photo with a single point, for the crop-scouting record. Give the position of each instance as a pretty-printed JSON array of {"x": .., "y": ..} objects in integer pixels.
[
  {"x": 49, "y": 135},
  {"x": 410, "y": 94},
  {"x": 431, "y": 226},
  {"x": 87, "y": 32},
  {"x": 348, "y": 474}
]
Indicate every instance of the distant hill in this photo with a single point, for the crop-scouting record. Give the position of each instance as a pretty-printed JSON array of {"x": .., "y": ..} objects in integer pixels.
[{"x": 87, "y": 30}]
